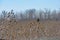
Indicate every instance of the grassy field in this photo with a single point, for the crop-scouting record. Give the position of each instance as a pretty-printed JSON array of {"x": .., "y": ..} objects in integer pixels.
[{"x": 29, "y": 30}]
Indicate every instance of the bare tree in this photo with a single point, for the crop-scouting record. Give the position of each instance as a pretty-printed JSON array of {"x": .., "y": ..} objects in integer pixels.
[
  {"x": 41, "y": 14},
  {"x": 49, "y": 14},
  {"x": 31, "y": 13},
  {"x": 4, "y": 14},
  {"x": 58, "y": 14},
  {"x": 21, "y": 16},
  {"x": 46, "y": 14},
  {"x": 12, "y": 14},
  {"x": 26, "y": 14},
  {"x": 54, "y": 15}
]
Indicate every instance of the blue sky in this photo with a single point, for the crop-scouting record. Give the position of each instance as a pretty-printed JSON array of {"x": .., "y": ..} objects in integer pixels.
[{"x": 19, "y": 5}]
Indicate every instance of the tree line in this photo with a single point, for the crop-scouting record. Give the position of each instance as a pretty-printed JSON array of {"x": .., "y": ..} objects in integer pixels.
[{"x": 31, "y": 14}]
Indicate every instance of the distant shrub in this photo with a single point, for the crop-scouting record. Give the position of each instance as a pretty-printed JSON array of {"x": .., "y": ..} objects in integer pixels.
[{"x": 38, "y": 20}]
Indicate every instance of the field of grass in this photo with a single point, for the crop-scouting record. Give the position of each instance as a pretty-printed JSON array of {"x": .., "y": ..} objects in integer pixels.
[{"x": 29, "y": 30}]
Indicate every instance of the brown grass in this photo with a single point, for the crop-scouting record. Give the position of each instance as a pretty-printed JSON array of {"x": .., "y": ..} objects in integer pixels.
[{"x": 23, "y": 30}]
